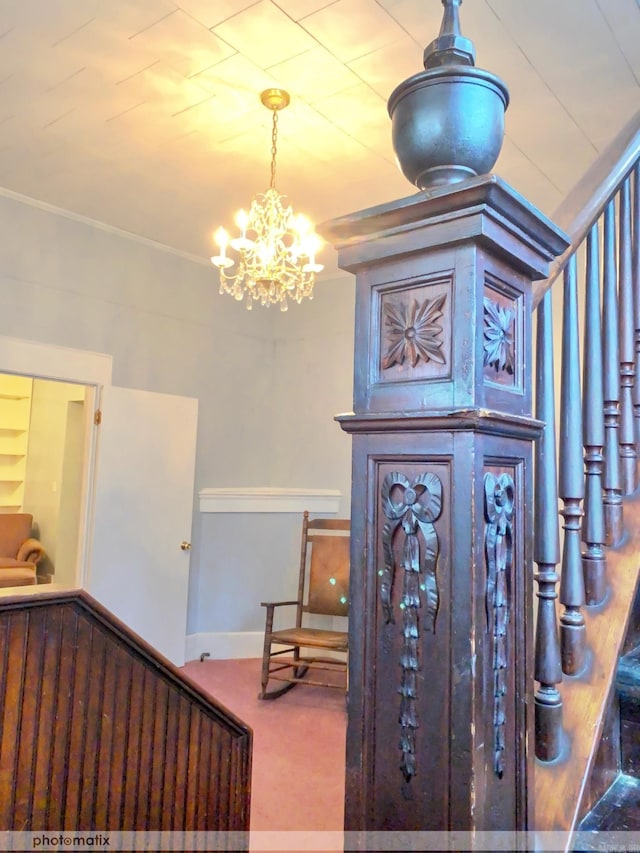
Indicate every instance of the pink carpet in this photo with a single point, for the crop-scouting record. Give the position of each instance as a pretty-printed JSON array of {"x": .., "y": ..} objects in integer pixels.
[{"x": 298, "y": 746}]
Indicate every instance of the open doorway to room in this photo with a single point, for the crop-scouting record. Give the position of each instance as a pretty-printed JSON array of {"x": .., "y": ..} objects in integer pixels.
[
  {"x": 29, "y": 362},
  {"x": 44, "y": 430}
]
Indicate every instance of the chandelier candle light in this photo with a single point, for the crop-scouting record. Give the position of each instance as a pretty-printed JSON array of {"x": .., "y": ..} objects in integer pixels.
[{"x": 277, "y": 248}]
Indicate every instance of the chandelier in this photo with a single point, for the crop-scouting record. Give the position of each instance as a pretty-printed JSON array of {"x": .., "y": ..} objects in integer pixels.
[{"x": 277, "y": 249}]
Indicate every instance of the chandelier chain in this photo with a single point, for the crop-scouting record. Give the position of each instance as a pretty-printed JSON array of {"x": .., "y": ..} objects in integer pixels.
[{"x": 274, "y": 149}]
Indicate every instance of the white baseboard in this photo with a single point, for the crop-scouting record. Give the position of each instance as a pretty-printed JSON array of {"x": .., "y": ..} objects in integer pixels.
[{"x": 225, "y": 646}]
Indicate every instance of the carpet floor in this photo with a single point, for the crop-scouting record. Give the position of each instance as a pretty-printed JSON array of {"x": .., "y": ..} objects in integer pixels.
[{"x": 298, "y": 746}]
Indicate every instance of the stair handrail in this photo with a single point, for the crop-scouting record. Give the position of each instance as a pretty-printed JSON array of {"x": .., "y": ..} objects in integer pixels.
[{"x": 588, "y": 198}]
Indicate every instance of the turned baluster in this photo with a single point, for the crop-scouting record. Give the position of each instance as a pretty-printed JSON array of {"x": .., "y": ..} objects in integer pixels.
[
  {"x": 593, "y": 531},
  {"x": 636, "y": 294},
  {"x": 612, "y": 497},
  {"x": 628, "y": 456},
  {"x": 546, "y": 549},
  {"x": 571, "y": 482}
]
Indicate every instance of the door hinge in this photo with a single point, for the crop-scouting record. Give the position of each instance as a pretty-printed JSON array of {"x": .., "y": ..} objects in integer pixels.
[{"x": 97, "y": 417}]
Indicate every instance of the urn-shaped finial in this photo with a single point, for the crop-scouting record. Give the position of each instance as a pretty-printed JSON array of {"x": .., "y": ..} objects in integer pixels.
[{"x": 448, "y": 120}]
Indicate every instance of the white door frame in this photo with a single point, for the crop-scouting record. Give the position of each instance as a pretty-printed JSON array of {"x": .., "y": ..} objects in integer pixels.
[{"x": 93, "y": 369}]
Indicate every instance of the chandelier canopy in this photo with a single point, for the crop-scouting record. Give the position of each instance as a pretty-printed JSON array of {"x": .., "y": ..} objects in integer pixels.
[{"x": 277, "y": 249}]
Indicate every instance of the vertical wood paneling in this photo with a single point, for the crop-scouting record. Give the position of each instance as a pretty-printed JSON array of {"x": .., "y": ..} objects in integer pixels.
[
  {"x": 93, "y": 731},
  {"x": 147, "y": 711},
  {"x": 11, "y": 666},
  {"x": 5, "y": 775},
  {"x": 202, "y": 806},
  {"x": 170, "y": 790},
  {"x": 182, "y": 738},
  {"x": 121, "y": 732},
  {"x": 225, "y": 760},
  {"x": 61, "y": 723},
  {"x": 12, "y": 718},
  {"x": 104, "y": 758},
  {"x": 133, "y": 721},
  {"x": 49, "y": 680},
  {"x": 77, "y": 742},
  {"x": 158, "y": 745},
  {"x": 31, "y": 691},
  {"x": 191, "y": 815},
  {"x": 97, "y": 733}
]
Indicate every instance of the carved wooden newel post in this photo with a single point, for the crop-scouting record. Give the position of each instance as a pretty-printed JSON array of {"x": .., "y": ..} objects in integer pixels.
[
  {"x": 440, "y": 690},
  {"x": 441, "y": 654}
]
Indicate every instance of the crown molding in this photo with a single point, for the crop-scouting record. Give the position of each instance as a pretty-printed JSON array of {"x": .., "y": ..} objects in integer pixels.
[{"x": 102, "y": 226}]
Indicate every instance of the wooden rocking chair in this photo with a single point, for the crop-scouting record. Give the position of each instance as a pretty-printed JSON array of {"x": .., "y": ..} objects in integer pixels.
[{"x": 323, "y": 588}]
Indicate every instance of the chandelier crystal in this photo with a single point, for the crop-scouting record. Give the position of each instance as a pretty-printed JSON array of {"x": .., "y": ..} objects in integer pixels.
[{"x": 277, "y": 248}]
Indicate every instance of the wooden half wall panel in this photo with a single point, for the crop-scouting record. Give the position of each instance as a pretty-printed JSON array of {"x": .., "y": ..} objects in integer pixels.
[{"x": 98, "y": 731}]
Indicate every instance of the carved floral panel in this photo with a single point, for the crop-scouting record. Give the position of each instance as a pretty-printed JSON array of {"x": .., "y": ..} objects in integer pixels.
[
  {"x": 501, "y": 344},
  {"x": 415, "y": 332}
]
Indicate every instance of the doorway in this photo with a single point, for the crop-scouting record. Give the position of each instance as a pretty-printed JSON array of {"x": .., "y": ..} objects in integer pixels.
[
  {"x": 48, "y": 473},
  {"x": 137, "y": 492},
  {"x": 44, "y": 431}
]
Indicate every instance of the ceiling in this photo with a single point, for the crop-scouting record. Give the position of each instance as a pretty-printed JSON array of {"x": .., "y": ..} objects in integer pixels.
[{"x": 145, "y": 114}]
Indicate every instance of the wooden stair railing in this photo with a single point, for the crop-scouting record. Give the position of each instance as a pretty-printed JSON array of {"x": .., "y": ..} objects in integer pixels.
[
  {"x": 599, "y": 431},
  {"x": 99, "y": 732}
]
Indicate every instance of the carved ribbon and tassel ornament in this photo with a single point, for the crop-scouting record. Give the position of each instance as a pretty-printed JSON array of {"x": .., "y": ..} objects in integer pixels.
[
  {"x": 415, "y": 506},
  {"x": 499, "y": 494}
]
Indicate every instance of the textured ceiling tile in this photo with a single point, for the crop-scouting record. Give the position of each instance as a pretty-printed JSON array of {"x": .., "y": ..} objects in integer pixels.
[
  {"x": 199, "y": 117},
  {"x": 264, "y": 34},
  {"x": 22, "y": 55},
  {"x": 356, "y": 110},
  {"x": 582, "y": 74},
  {"x": 85, "y": 92},
  {"x": 325, "y": 142},
  {"x": 147, "y": 155},
  {"x": 209, "y": 13},
  {"x": 182, "y": 43},
  {"x": 314, "y": 74},
  {"x": 50, "y": 21},
  {"x": 163, "y": 87},
  {"x": 129, "y": 17},
  {"x": 518, "y": 170},
  {"x": 623, "y": 16},
  {"x": 353, "y": 28},
  {"x": 419, "y": 19},
  {"x": 17, "y": 92},
  {"x": 253, "y": 127},
  {"x": 237, "y": 83},
  {"x": 386, "y": 68},
  {"x": 98, "y": 46},
  {"x": 298, "y": 9},
  {"x": 362, "y": 114}
]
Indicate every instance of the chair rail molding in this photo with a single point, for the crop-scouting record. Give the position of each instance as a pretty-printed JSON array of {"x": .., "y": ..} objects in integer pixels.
[{"x": 269, "y": 499}]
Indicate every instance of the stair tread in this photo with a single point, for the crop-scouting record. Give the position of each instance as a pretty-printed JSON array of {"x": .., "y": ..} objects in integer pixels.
[{"x": 618, "y": 809}]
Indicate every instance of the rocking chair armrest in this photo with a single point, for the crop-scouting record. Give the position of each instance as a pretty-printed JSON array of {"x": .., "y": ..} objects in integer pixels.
[{"x": 272, "y": 604}]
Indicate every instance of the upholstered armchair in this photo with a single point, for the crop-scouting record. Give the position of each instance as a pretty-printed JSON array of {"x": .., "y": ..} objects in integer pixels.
[{"x": 19, "y": 551}]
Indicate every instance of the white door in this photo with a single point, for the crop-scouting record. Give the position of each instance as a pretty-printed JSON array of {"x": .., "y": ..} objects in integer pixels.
[{"x": 138, "y": 564}]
